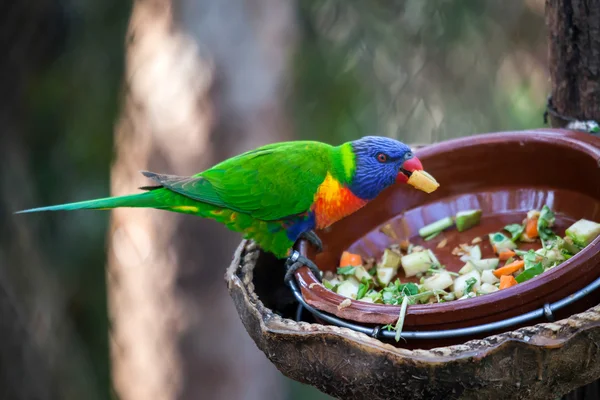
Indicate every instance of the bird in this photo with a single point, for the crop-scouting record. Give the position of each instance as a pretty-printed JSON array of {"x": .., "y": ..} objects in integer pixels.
[{"x": 281, "y": 192}]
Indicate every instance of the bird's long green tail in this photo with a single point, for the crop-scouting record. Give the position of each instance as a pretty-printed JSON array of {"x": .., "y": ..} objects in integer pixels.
[{"x": 133, "y": 200}]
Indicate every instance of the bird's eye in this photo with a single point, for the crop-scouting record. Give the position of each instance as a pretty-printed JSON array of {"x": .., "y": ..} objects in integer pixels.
[
  {"x": 381, "y": 157},
  {"x": 408, "y": 155}
]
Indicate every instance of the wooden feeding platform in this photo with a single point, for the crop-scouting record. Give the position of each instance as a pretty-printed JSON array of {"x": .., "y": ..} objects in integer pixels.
[{"x": 342, "y": 352}]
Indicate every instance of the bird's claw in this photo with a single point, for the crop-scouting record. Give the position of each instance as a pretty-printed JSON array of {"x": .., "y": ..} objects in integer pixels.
[
  {"x": 313, "y": 239},
  {"x": 296, "y": 261}
]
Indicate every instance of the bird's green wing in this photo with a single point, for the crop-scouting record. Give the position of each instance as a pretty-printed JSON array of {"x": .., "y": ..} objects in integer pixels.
[{"x": 269, "y": 183}]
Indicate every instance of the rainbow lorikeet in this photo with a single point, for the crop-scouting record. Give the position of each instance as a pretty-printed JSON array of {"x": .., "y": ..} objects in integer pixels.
[{"x": 278, "y": 193}]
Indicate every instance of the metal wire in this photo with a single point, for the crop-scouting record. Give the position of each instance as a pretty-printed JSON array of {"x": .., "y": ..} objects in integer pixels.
[{"x": 378, "y": 333}]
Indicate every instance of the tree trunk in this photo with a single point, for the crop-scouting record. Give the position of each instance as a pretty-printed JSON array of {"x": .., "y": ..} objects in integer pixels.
[
  {"x": 574, "y": 58},
  {"x": 204, "y": 82},
  {"x": 574, "y": 62}
]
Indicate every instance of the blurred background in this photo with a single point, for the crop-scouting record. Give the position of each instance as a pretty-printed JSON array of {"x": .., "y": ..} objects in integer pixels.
[{"x": 133, "y": 304}]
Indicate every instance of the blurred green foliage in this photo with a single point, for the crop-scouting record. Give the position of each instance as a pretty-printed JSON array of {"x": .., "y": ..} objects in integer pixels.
[{"x": 72, "y": 108}]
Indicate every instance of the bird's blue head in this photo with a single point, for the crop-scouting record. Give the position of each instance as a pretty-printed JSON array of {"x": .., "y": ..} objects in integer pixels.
[{"x": 380, "y": 162}]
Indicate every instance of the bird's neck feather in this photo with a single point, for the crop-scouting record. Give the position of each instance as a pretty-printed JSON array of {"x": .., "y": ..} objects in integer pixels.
[{"x": 343, "y": 164}]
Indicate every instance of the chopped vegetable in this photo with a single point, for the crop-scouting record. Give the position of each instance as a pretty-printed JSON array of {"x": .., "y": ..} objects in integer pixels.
[
  {"x": 400, "y": 322},
  {"x": 509, "y": 268},
  {"x": 388, "y": 268},
  {"x": 516, "y": 230},
  {"x": 436, "y": 227},
  {"x": 362, "y": 289},
  {"x": 501, "y": 243},
  {"x": 349, "y": 259},
  {"x": 583, "y": 232},
  {"x": 375, "y": 281},
  {"x": 470, "y": 283},
  {"x": 531, "y": 228},
  {"x": 415, "y": 263},
  {"x": 530, "y": 273},
  {"x": 346, "y": 270},
  {"x": 568, "y": 245},
  {"x": 390, "y": 259},
  {"x": 349, "y": 288},
  {"x": 467, "y": 219},
  {"x": 385, "y": 275},
  {"x": 438, "y": 281},
  {"x": 486, "y": 263},
  {"x": 432, "y": 236},
  {"x": 474, "y": 254},
  {"x": 464, "y": 283},
  {"x": 507, "y": 281},
  {"x": 506, "y": 255},
  {"x": 468, "y": 267},
  {"x": 361, "y": 273},
  {"x": 488, "y": 276},
  {"x": 487, "y": 288},
  {"x": 545, "y": 223}
]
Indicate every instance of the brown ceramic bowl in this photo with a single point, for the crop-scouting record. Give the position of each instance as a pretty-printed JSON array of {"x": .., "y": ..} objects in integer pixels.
[{"x": 504, "y": 174}]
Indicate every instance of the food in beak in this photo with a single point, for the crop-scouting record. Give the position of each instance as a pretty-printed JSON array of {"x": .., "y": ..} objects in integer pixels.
[{"x": 421, "y": 180}]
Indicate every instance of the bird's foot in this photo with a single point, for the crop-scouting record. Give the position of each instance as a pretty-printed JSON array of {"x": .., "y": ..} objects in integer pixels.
[
  {"x": 296, "y": 261},
  {"x": 313, "y": 239}
]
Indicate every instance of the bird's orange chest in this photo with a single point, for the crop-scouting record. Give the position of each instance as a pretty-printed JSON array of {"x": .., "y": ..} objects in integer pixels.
[{"x": 333, "y": 201}]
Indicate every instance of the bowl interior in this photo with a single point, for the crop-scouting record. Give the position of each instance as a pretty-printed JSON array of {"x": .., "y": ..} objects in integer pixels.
[{"x": 505, "y": 175}]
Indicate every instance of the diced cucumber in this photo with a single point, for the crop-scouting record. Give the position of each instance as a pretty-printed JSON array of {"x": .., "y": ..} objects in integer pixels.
[
  {"x": 468, "y": 267},
  {"x": 414, "y": 263},
  {"x": 367, "y": 300},
  {"x": 385, "y": 275},
  {"x": 436, "y": 226},
  {"x": 348, "y": 288},
  {"x": 474, "y": 254},
  {"x": 438, "y": 281},
  {"x": 467, "y": 219},
  {"x": 460, "y": 283},
  {"x": 487, "y": 288},
  {"x": 360, "y": 272},
  {"x": 488, "y": 276},
  {"x": 583, "y": 232},
  {"x": 390, "y": 259},
  {"x": 388, "y": 268},
  {"x": 501, "y": 242},
  {"x": 486, "y": 263}
]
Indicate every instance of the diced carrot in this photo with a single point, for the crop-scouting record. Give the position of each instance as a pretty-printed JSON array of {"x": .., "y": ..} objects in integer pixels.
[
  {"x": 509, "y": 268},
  {"x": 506, "y": 254},
  {"x": 507, "y": 281},
  {"x": 531, "y": 228},
  {"x": 349, "y": 259}
]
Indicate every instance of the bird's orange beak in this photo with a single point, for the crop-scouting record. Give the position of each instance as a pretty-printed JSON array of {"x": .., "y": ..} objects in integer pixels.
[{"x": 412, "y": 173}]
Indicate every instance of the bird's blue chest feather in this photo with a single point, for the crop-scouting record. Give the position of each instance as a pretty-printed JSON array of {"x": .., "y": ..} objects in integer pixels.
[{"x": 299, "y": 225}]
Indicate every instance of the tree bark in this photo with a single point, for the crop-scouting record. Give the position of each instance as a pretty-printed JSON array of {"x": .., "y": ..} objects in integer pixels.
[
  {"x": 204, "y": 82},
  {"x": 574, "y": 62},
  {"x": 574, "y": 58}
]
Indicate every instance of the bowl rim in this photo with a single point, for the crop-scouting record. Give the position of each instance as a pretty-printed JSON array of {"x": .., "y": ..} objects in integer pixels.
[{"x": 581, "y": 141}]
